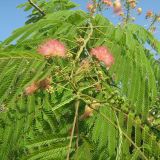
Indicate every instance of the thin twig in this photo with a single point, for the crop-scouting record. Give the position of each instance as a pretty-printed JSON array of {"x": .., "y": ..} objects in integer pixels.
[
  {"x": 73, "y": 128},
  {"x": 36, "y": 7},
  {"x": 85, "y": 42},
  {"x": 82, "y": 47},
  {"x": 128, "y": 13},
  {"x": 77, "y": 133},
  {"x": 153, "y": 22},
  {"x": 119, "y": 149}
]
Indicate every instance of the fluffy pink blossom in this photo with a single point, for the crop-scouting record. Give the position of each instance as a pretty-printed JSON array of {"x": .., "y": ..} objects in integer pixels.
[
  {"x": 108, "y": 2},
  {"x": 117, "y": 7},
  {"x": 52, "y": 48},
  {"x": 90, "y": 6},
  {"x": 103, "y": 54},
  {"x": 31, "y": 89},
  {"x": 109, "y": 60}
]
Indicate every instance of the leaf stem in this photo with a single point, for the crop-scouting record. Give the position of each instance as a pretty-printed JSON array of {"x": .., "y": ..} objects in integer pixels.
[
  {"x": 153, "y": 22},
  {"x": 73, "y": 128},
  {"x": 119, "y": 149},
  {"x": 77, "y": 133},
  {"x": 128, "y": 14},
  {"x": 36, "y": 7},
  {"x": 82, "y": 47}
]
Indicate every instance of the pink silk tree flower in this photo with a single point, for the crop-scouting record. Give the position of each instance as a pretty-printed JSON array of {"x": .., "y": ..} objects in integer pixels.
[
  {"x": 89, "y": 6},
  {"x": 99, "y": 52},
  {"x": 31, "y": 89},
  {"x": 103, "y": 54},
  {"x": 108, "y": 2},
  {"x": 117, "y": 7},
  {"x": 52, "y": 48},
  {"x": 109, "y": 60}
]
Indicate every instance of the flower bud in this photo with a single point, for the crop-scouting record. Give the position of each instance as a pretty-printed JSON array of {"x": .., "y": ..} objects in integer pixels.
[
  {"x": 158, "y": 18},
  {"x": 149, "y": 14},
  {"x": 139, "y": 10},
  {"x": 132, "y": 3}
]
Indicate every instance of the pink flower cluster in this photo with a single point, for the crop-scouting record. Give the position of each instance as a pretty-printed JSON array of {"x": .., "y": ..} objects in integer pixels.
[
  {"x": 117, "y": 7},
  {"x": 108, "y": 2},
  {"x": 103, "y": 54},
  {"x": 31, "y": 89},
  {"x": 89, "y": 6},
  {"x": 52, "y": 48},
  {"x": 43, "y": 84}
]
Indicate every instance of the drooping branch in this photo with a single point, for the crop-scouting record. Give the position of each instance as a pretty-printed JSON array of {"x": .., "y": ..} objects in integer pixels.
[
  {"x": 36, "y": 7},
  {"x": 77, "y": 133},
  {"x": 73, "y": 128}
]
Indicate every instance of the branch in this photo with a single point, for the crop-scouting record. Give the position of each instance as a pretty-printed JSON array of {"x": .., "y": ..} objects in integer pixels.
[
  {"x": 128, "y": 13},
  {"x": 36, "y": 7},
  {"x": 77, "y": 133},
  {"x": 85, "y": 41},
  {"x": 73, "y": 128},
  {"x": 153, "y": 22}
]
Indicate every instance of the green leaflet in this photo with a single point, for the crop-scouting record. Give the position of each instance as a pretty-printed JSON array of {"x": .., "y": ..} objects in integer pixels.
[
  {"x": 84, "y": 152},
  {"x": 49, "y": 148},
  {"x": 63, "y": 103}
]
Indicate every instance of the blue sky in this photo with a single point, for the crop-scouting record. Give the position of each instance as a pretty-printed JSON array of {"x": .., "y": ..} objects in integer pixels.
[{"x": 12, "y": 18}]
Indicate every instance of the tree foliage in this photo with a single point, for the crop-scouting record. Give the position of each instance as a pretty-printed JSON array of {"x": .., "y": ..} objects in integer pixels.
[{"x": 125, "y": 124}]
